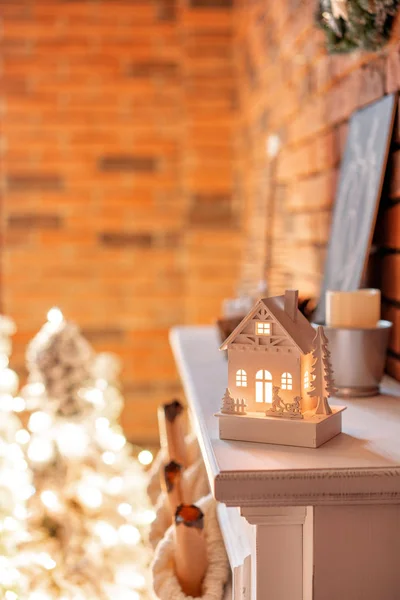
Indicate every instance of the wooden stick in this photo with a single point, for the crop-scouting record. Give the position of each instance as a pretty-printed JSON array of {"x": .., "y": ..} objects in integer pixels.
[
  {"x": 191, "y": 560},
  {"x": 171, "y": 424},
  {"x": 172, "y": 485}
]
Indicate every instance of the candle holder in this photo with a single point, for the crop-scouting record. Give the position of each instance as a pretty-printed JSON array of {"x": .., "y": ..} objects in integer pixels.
[{"x": 358, "y": 358}]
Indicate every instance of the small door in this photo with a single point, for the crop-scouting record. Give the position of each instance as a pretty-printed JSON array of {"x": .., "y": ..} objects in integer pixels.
[{"x": 263, "y": 387}]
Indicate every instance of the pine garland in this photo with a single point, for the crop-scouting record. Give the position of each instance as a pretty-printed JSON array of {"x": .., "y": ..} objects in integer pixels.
[{"x": 367, "y": 26}]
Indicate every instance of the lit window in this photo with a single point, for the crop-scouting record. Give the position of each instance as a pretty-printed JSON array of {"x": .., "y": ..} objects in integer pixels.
[
  {"x": 263, "y": 328},
  {"x": 306, "y": 380},
  {"x": 286, "y": 381},
  {"x": 241, "y": 378}
]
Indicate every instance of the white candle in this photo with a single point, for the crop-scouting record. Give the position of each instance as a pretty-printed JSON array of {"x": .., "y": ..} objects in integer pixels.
[{"x": 355, "y": 310}]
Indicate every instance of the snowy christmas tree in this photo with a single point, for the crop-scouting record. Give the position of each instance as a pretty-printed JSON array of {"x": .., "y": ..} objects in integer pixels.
[
  {"x": 228, "y": 403},
  {"x": 105, "y": 370},
  {"x": 15, "y": 483},
  {"x": 321, "y": 373},
  {"x": 89, "y": 515}
]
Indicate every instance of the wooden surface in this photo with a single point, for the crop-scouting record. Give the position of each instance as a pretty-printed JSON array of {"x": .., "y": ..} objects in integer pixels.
[{"x": 360, "y": 466}]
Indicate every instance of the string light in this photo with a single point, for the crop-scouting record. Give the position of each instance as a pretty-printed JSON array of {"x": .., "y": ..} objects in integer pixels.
[
  {"x": 72, "y": 440},
  {"x": 28, "y": 492},
  {"x": 39, "y": 422},
  {"x": 107, "y": 533},
  {"x": 35, "y": 389},
  {"x": 10, "y": 524},
  {"x": 22, "y": 436},
  {"x": 145, "y": 517},
  {"x": 124, "y": 509},
  {"x": 145, "y": 457},
  {"x": 50, "y": 500},
  {"x": 108, "y": 458},
  {"x": 6, "y": 401},
  {"x": 18, "y": 404},
  {"x": 76, "y": 498},
  {"x": 90, "y": 496},
  {"x": 94, "y": 396},
  {"x": 102, "y": 384},
  {"x": 45, "y": 560},
  {"x": 112, "y": 441},
  {"x": 41, "y": 450},
  {"x": 115, "y": 485},
  {"x": 55, "y": 317},
  {"x": 102, "y": 424},
  {"x": 20, "y": 512},
  {"x": 39, "y": 596},
  {"x": 129, "y": 534},
  {"x": 130, "y": 578}
]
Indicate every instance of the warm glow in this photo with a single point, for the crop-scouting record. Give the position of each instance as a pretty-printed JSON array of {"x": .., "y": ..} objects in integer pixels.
[
  {"x": 10, "y": 524},
  {"x": 102, "y": 384},
  {"x": 18, "y": 404},
  {"x": 129, "y": 578},
  {"x": 107, "y": 533},
  {"x": 50, "y": 500},
  {"x": 22, "y": 436},
  {"x": 55, "y": 316},
  {"x": 20, "y": 512},
  {"x": 46, "y": 561},
  {"x": 40, "y": 450},
  {"x": 306, "y": 380},
  {"x": 263, "y": 328},
  {"x": 22, "y": 465},
  {"x": 286, "y": 381},
  {"x": 115, "y": 485},
  {"x": 39, "y": 422},
  {"x": 8, "y": 381},
  {"x": 10, "y": 595},
  {"x": 28, "y": 493},
  {"x": 90, "y": 496},
  {"x": 72, "y": 440},
  {"x": 263, "y": 386},
  {"x": 124, "y": 509},
  {"x": 39, "y": 596},
  {"x": 241, "y": 378},
  {"x": 95, "y": 396},
  {"x": 111, "y": 440},
  {"x": 102, "y": 424},
  {"x": 6, "y": 402},
  {"x": 129, "y": 534},
  {"x": 145, "y": 457},
  {"x": 145, "y": 517},
  {"x": 35, "y": 389},
  {"x": 108, "y": 458}
]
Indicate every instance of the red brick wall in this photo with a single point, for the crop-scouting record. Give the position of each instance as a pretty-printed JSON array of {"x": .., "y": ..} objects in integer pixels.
[
  {"x": 292, "y": 89},
  {"x": 118, "y": 199}
]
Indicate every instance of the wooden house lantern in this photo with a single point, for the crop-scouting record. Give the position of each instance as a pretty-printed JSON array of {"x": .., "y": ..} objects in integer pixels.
[{"x": 279, "y": 370}]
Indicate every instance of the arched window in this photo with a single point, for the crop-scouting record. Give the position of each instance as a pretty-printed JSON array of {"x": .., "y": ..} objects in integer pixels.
[
  {"x": 306, "y": 380},
  {"x": 241, "y": 378},
  {"x": 263, "y": 328},
  {"x": 263, "y": 386},
  {"x": 286, "y": 381}
]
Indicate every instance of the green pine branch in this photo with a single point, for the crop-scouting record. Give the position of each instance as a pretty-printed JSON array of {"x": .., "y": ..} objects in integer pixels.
[{"x": 366, "y": 29}]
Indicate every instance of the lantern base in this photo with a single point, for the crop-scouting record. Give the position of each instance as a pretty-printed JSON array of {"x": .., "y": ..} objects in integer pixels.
[{"x": 310, "y": 432}]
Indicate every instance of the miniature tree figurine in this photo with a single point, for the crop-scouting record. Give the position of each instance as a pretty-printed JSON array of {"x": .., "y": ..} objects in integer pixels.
[
  {"x": 228, "y": 403},
  {"x": 322, "y": 377}
]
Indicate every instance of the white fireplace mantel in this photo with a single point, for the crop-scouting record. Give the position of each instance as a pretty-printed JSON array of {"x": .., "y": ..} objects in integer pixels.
[{"x": 300, "y": 521}]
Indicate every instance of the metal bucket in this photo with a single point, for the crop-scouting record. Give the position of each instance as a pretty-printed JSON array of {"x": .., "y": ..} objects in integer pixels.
[{"x": 358, "y": 358}]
